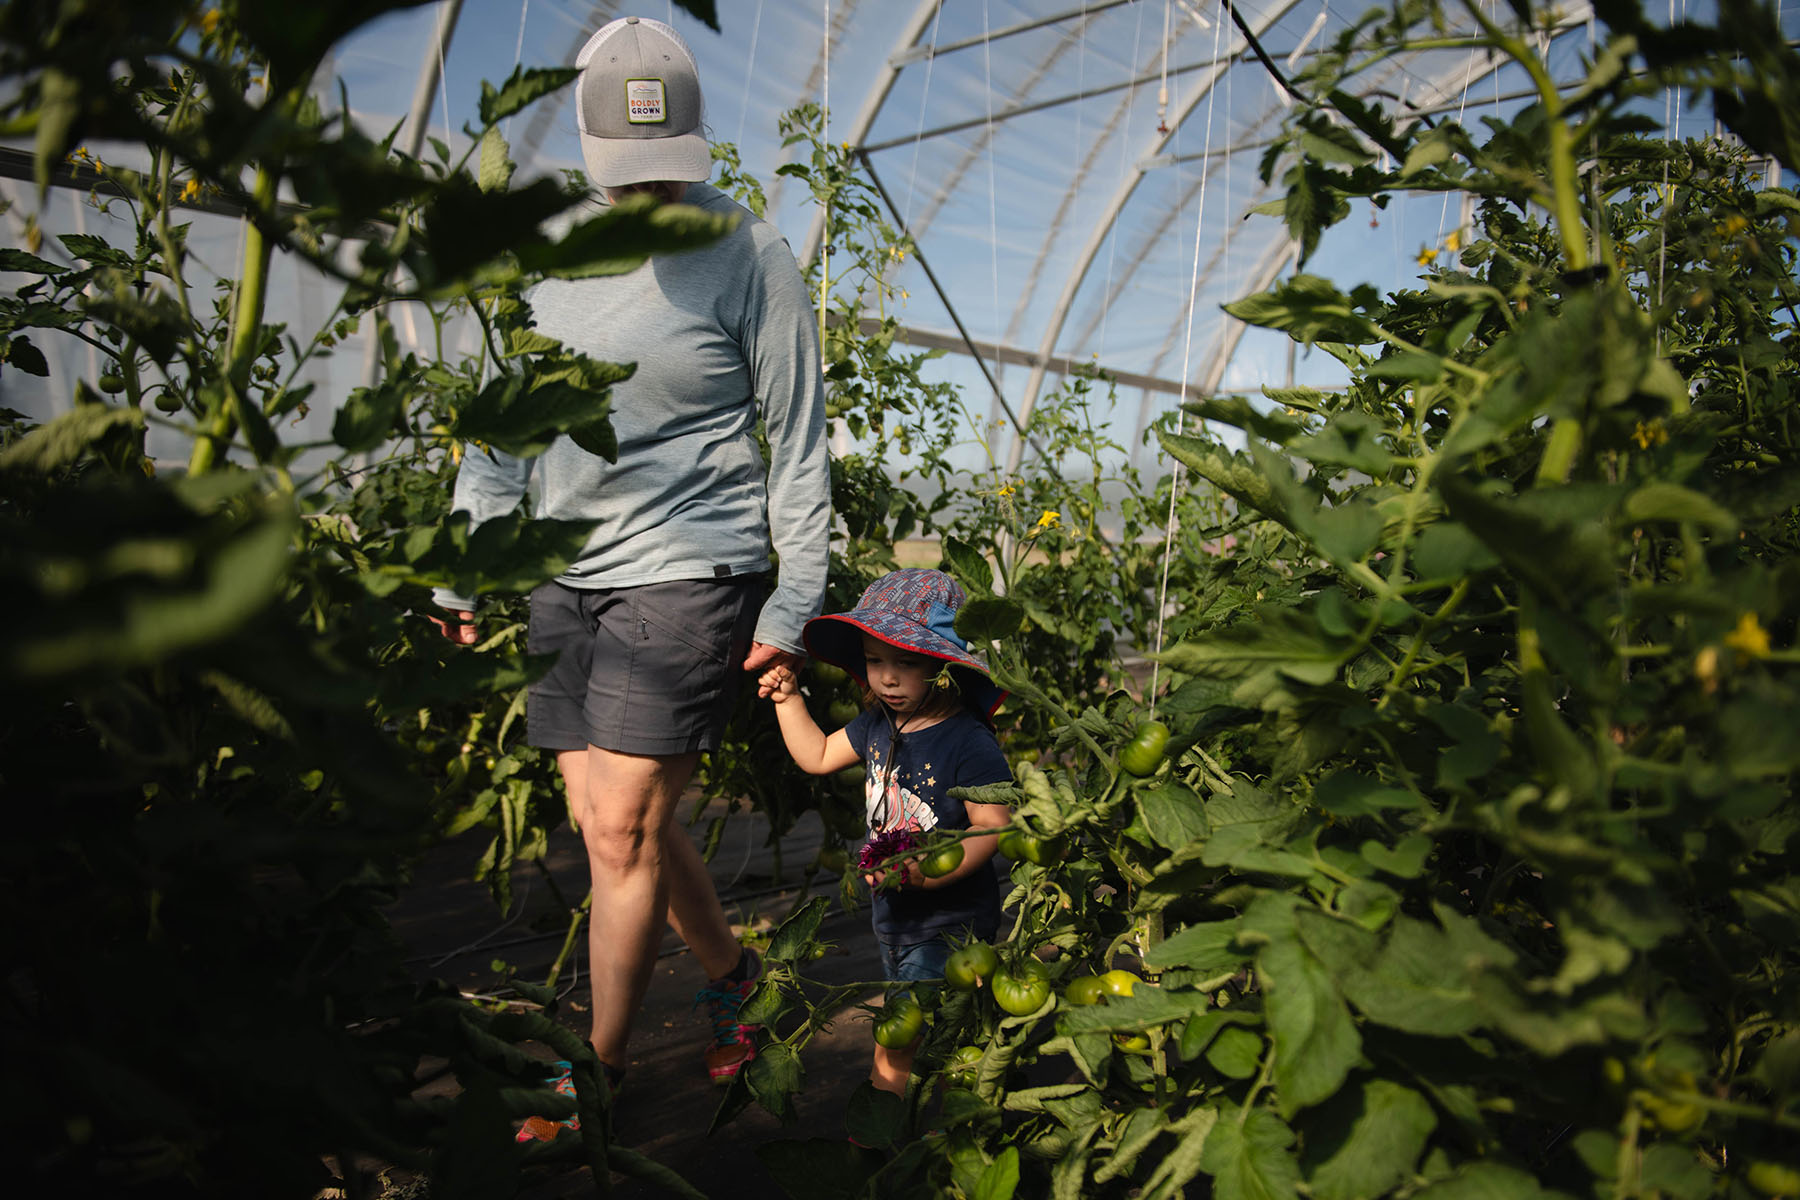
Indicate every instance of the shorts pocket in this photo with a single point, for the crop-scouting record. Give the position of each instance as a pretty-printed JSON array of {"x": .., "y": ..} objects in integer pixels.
[{"x": 700, "y": 616}]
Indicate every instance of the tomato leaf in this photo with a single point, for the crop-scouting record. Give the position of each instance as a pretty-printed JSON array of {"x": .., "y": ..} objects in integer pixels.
[
  {"x": 1173, "y": 815},
  {"x": 521, "y": 88},
  {"x": 1247, "y": 1155},
  {"x": 798, "y": 930},
  {"x": 1316, "y": 1042},
  {"x": 1001, "y": 1179},
  {"x": 874, "y": 1117},
  {"x": 1367, "y": 1140}
]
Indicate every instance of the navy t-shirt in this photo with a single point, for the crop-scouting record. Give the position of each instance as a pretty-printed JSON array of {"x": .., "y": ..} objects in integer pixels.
[{"x": 908, "y": 786}]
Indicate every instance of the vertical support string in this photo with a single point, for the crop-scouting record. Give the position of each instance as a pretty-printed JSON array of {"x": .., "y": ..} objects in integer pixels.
[
  {"x": 825, "y": 134},
  {"x": 1187, "y": 348},
  {"x": 987, "y": 67},
  {"x": 749, "y": 70}
]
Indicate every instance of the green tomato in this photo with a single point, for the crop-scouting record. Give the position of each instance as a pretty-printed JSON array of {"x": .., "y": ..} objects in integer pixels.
[
  {"x": 1145, "y": 750},
  {"x": 1132, "y": 1043},
  {"x": 829, "y": 672},
  {"x": 900, "y": 1022},
  {"x": 960, "y": 1070},
  {"x": 1023, "y": 991},
  {"x": 833, "y": 858},
  {"x": 1674, "y": 1116},
  {"x": 843, "y": 712},
  {"x": 1020, "y": 846},
  {"x": 112, "y": 384},
  {"x": 167, "y": 402},
  {"x": 1118, "y": 983},
  {"x": 1773, "y": 1178},
  {"x": 1084, "y": 990},
  {"x": 942, "y": 861},
  {"x": 967, "y": 967}
]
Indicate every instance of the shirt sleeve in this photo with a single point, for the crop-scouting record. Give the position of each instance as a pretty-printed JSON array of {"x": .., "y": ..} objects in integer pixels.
[
  {"x": 860, "y": 729},
  {"x": 489, "y": 484},
  {"x": 782, "y": 348}
]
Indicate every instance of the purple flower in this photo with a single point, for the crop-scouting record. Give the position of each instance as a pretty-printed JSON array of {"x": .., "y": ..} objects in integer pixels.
[{"x": 884, "y": 846}]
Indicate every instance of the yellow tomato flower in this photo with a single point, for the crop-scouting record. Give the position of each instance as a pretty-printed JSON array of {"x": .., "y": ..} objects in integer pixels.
[
  {"x": 1648, "y": 435},
  {"x": 1453, "y": 243},
  {"x": 1427, "y": 256},
  {"x": 190, "y": 190},
  {"x": 209, "y": 21},
  {"x": 1749, "y": 639},
  {"x": 1734, "y": 224},
  {"x": 1007, "y": 491},
  {"x": 1048, "y": 520}
]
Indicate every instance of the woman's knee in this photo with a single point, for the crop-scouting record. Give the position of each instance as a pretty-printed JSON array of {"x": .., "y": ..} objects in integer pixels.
[{"x": 623, "y": 845}]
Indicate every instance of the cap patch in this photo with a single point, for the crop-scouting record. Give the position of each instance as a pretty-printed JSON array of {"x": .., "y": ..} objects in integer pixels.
[{"x": 645, "y": 103}]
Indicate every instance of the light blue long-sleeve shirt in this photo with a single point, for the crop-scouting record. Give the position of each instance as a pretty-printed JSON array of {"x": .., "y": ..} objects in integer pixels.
[{"x": 720, "y": 335}]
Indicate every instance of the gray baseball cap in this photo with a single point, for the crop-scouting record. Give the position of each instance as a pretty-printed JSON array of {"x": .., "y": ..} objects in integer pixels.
[{"x": 638, "y": 105}]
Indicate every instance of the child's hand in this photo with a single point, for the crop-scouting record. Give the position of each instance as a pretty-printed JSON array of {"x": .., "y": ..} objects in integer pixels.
[{"x": 778, "y": 683}]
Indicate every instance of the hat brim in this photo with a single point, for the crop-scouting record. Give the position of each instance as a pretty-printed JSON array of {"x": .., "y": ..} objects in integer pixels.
[
  {"x": 621, "y": 162},
  {"x": 836, "y": 638}
]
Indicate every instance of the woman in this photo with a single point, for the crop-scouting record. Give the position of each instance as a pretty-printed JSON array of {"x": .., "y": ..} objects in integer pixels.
[{"x": 667, "y": 602}]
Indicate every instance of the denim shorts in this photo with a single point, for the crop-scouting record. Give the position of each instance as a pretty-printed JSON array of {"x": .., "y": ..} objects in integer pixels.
[
  {"x": 915, "y": 962},
  {"x": 641, "y": 670}
]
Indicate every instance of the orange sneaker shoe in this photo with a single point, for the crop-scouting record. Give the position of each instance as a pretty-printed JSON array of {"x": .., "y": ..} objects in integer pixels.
[
  {"x": 544, "y": 1129},
  {"x": 733, "y": 1043}
]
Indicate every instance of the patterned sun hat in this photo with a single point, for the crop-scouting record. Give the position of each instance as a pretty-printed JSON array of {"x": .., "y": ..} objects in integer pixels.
[{"x": 913, "y": 609}]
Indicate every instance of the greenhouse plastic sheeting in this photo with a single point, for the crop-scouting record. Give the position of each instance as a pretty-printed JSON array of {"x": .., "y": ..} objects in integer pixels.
[{"x": 1079, "y": 179}]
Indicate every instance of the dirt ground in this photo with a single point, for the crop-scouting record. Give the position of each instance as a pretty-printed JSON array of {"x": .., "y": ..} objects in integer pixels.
[{"x": 669, "y": 1102}]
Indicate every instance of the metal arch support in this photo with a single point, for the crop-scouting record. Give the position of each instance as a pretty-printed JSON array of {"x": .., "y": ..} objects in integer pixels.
[
  {"x": 1274, "y": 259},
  {"x": 1103, "y": 227},
  {"x": 1436, "y": 100},
  {"x": 1279, "y": 255},
  {"x": 449, "y": 11},
  {"x": 873, "y": 99}
]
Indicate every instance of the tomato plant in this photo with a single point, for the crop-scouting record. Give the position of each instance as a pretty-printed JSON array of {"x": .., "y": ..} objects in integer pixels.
[
  {"x": 1480, "y": 844},
  {"x": 237, "y": 645}
]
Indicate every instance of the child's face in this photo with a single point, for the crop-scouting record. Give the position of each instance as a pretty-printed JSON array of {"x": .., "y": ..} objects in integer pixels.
[{"x": 899, "y": 678}]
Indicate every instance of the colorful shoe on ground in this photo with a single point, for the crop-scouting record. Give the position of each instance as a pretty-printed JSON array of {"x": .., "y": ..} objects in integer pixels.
[
  {"x": 733, "y": 1044},
  {"x": 543, "y": 1129}
]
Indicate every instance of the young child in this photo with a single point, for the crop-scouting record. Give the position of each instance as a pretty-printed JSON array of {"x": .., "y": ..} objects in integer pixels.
[{"x": 925, "y": 731}]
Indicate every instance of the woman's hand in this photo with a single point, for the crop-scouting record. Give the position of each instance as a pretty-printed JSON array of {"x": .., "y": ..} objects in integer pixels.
[
  {"x": 765, "y": 660},
  {"x": 458, "y": 626}
]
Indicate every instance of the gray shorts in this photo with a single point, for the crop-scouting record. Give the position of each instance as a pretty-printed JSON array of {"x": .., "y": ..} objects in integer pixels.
[{"x": 640, "y": 670}]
